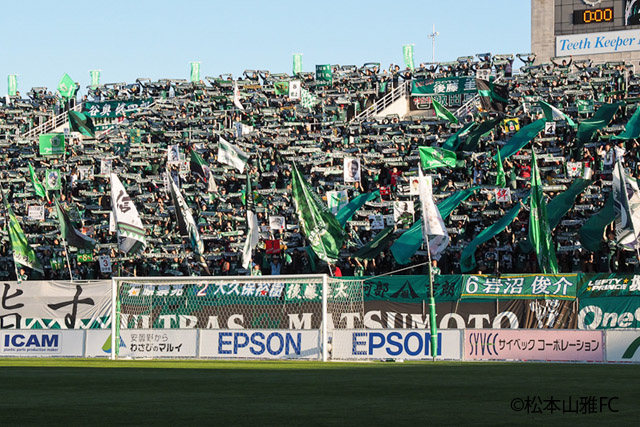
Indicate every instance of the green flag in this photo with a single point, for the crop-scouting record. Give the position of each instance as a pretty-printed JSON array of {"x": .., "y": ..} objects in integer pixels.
[
  {"x": 600, "y": 119},
  {"x": 297, "y": 63},
  {"x": 23, "y": 253},
  {"x": 539, "y": 231},
  {"x": 592, "y": 231},
  {"x": 378, "y": 244},
  {"x": 195, "y": 72},
  {"x": 95, "y": 78},
  {"x": 468, "y": 257},
  {"x": 521, "y": 138},
  {"x": 37, "y": 185},
  {"x": 433, "y": 157},
  {"x": 67, "y": 87},
  {"x": 410, "y": 241},
  {"x": 350, "y": 208},
  {"x": 551, "y": 113},
  {"x": 442, "y": 112},
  {"x": 72, "y": 236},
  {"x": 51, "y": 144},
  {"x": 281, "y": 88},
  {"x": 632, "y": 128},
  {"x": 318, "y": 223},
  {"x": 80, "y": 122},
  {"x": 501, "y": 180},
  {"x": 13, "y": 84},
  {"x": 407, "y": 54},
  {"x": 453, "y": 142},
  {"x": 324, "y": 75},
  {"x": 478, "y": 131}
]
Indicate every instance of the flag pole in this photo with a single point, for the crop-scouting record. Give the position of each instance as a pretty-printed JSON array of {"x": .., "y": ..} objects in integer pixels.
[
  {"x": 432, "y": 301},
  {"x": 66, "y": 253}
]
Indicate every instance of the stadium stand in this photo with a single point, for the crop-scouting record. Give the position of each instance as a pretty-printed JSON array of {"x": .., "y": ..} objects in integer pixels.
[{"x": 276, "y": 130}]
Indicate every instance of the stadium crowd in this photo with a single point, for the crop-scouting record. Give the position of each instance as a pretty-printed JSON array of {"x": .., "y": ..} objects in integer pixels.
[{"x": 276, "y": 130}]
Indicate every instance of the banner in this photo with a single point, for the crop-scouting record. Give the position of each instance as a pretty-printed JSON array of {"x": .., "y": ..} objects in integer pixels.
[
  {"x": 112, "y": 109},
  {"x": 13, "y": 84},
  {"x": 547, "y": 286},
  {"x": 30, "y": 343},
  {"x": 609, "y": 301},
  {"x": 622, "y": 346},
  {"x": 195, "y": 72},
  {"x": 556, "y": 345},
  {"x": 159, "y": 343},
  {"x": 395, "y": 344},
  {"x": 95, "y": 78},
  {"x": 297, "y": 63},
  {"x": 51, "y": 144},
  {"x": 407, "y": 55},
  {"x": 53, "y": 180},
  {"x": 324, "y": 75},
  {"x": 450, "y": 92},
  {"x": 295, "y": 90},
  {"x": 56, "y": 305},
  {"x": 261, "y": 343}
]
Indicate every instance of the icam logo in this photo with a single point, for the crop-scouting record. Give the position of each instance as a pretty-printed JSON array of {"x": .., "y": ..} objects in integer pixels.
[{"x": 32, "y": 342}]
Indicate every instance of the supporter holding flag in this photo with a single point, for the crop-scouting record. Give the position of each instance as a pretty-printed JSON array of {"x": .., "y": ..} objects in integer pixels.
[
  {"x": 130, "y": 231},
  {"x": 539, "y": 231}
]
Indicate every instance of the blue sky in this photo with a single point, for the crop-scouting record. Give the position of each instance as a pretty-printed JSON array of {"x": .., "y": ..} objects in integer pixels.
[{"x": 158, "y": 39}]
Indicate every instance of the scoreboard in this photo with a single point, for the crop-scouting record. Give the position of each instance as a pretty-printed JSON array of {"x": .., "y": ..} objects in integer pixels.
[{"x": 589, "y": 27}]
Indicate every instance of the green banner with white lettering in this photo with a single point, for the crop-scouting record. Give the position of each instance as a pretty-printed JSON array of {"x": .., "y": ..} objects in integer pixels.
[
  {"x": 324, "y": 75},
  {"x": 51, "y": 144},
  {"x": 450, "y": 92},
  {"x": 113, "y": 109}
]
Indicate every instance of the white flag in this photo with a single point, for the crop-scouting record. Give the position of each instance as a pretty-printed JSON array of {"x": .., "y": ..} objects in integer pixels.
[
  {"x": 253, "y": 234},
  {"x": 236, "y": 96},
  {"x": 336, "y": 200},
  {"x": 231, "y": 155},
  {"x": 626, "y": 202},
  {"x": 294, "y": 90},
  {"x": 130, "y": 231},
  {"x": 433, "y": 228}
]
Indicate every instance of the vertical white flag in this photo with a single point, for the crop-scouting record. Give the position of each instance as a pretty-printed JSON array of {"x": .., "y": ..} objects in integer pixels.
[
  {"x": 130, "y": 231},
  {"x": 295, "y": 92},
  {"x": 432, "y": 223},
  {"x": 236, "y": 96},
  {"x": 626, "y": 202},
  {"x": 231, "y": 155}
]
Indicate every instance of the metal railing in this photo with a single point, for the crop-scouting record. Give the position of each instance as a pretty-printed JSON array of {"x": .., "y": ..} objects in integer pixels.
[
  {"x": 51, "y": 124},
  {"x": 401, "y": 91}
]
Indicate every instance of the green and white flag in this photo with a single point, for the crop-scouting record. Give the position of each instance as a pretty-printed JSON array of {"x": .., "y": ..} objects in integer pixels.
[
  {"x": 407, "y": 54},
  {"x": 319, "y": 225},
  {"x": 442, "y": 112},
  {"x": 67, "y": 87},
  {"x": 551, "y": 113},
  {"x": 324, "y": 75},
  {"x": 253, "y": 228},
  {"x": 195, "y": 72},
  {"x": 13, "y": 84},
  {"x": 281, "y": 88},
  {"x": 51, "y": 144},
  {"x": 69, "y": 233},
  {"x": 336, "y": 200},
  {"x": 539, "y": 231},
  {"x": 186, "y": 223},
  {"x": 23, "y": 253},
  {"x": 53, "y": 180},
  {"x": 35, "y": 181},
  {"x": 297, "y": 63},
  {"x": 433, "y": 229},
  {"x": 231, "y": 155},
  {"x": 95, "y": 78},
  {"x": 626, "y": 203},
  {"x": 433, "y": 157},
  {"x": 129, "y": 228},
  {"x": 307, "y": 99},
  {"x": 80, "y": 122}
]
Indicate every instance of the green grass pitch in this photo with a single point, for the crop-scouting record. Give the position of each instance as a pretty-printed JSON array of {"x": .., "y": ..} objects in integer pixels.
[{"x": 67, "y": 392}]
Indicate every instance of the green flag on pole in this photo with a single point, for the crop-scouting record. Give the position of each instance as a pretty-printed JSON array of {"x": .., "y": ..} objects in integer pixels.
[
  {"x": 67, "y": 87},
  {"x": 501, "y": 180},
  {"x": 453, "y": 142},
  {"x": 297, "y": 63},
  {"x": 442, "y": 112},
  {"x": 23, "y": 253},
  {"x": 376, "y": 245},
  {"x": 477, "y": 132},
  {"x": 69, "y": 233},
  {"x": 632, "y": 128},
  {"x": 13, "y": 84},
  {"x": 80, "y": 122},
  {"x": 433, "y": 157},
  {"x": 95, "y": 78},
  {"x": 407, "y": 54},
  {"x": 319, "y": 225},
  {"x": 521, "y": 138},
  {"x": 37, "y": 185},
  {"x": 551, "y": 113},
  {"x": 350, "y": 208},
  {"x": 539, "y": 231},
  {"x": 600, "y": 119},
  {"x": 592, "y": 231},
  {"x": 195, "y": 72}
]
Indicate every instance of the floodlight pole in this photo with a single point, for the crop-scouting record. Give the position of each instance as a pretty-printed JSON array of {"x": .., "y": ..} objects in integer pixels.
[{"x": 433, "y": 36}]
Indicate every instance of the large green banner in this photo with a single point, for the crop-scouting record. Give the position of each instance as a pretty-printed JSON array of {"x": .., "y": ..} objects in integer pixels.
[
  {"x": 526, "y": 286},
  {"x": 51, "y": 144},
  {"x": 609, "y": 301},
  {"x": 113, "y": 109},
  {"x": 324, "y": 75},
  {"x": 450, "y": 92}
]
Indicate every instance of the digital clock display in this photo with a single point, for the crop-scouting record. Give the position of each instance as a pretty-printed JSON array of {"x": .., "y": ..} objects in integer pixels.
[{"x": 593, "y": 16}]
